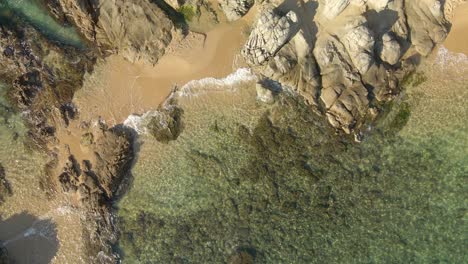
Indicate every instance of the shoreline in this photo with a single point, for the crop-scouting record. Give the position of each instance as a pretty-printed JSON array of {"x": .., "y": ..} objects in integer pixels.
[
  {"x": 118, "y": 88},
  {"x": 457, "y": 39}
]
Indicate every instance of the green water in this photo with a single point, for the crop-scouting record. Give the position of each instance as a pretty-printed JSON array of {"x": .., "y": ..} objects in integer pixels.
[
  {"x": 276, "y": 182},
  {"x": 32, "y": 11}
]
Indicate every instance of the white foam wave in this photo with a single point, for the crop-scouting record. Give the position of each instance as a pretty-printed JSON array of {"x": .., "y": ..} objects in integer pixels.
[
  {"x": 446, "y": 57},
  {"x": 206, "y": 85},
  {"x": 193, "y": 88},
  {"x": 140, "y": 122}
]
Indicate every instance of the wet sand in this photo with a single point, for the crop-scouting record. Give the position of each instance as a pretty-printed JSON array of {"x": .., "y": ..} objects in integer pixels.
[
  {"x": 118, "y": 88},
  {"x": 457, "y": 40}
]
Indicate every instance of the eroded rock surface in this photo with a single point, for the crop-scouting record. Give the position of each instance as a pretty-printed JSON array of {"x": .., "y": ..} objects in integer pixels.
[
  {"x": 235, "y": 9},
  {"x": 359, "y": 52},
  {"x": 271, "y": 32},
  {"x": 94, "y": 183},
  {"x": 136, "y": 29}
]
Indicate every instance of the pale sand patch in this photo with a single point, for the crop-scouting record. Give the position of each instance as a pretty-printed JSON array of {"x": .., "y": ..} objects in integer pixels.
[
  {"x": 118, "y": 88},
  {"x": 457, "y": 40}
]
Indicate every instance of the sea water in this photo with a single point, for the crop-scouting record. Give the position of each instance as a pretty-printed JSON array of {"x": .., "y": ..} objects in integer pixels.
[
  {"x": 34, "y": 13},
  {"x": 276, "y": 182}
]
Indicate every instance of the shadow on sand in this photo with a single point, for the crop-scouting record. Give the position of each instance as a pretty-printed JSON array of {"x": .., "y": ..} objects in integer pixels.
[{"x": 25, "y": 238}]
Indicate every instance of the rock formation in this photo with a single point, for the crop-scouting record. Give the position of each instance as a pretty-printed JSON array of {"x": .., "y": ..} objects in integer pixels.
[
  {"x": 136, "y": 29},
  {"x": 94, "y": 184},
  {"x": 355, "y": 60},
  {"x": 235, "y": 9},
  {"x": 271, "y": 32}
]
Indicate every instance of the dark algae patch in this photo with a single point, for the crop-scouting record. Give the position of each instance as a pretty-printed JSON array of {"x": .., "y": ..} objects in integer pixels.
[{"x": 287, "y": 189}]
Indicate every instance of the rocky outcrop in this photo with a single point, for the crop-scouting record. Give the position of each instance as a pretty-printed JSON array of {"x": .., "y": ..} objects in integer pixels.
[
  {"x": 427, "y": 24},
  {"x": 135, "y": 29},
  {"x": 235, "y": 9},
  {"x": 166, "y": 123},
  {"x": 359, "y": 52},
  {"x": 101, "y": 176},
  {"x": 271, "y": 32},
  {"x": 94, "y": 184}
]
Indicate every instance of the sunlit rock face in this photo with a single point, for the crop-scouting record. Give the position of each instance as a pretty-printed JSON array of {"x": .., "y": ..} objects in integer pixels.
[
  {"x": 359, "y": 50},
  {"x": 136, "y": 29}
]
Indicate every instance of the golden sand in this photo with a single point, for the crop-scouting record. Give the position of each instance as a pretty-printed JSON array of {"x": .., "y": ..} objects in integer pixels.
[
  {"x": 118, "y": 88},
  {"x": 457, "y": 40}
]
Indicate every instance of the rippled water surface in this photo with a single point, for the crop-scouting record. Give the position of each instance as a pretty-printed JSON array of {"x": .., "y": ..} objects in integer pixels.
[
  {"x": 273, "y": 183},
  {"x": 34, "y": 13}
]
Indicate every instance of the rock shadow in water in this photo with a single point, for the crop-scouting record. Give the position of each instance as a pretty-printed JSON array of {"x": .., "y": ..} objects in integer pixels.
[{"x": 25, "y": 238}]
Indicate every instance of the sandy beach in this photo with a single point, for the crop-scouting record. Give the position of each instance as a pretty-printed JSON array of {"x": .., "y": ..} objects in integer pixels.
[
  {"x": 457, "y": 40},
  {"x": 118, "y": 88}
]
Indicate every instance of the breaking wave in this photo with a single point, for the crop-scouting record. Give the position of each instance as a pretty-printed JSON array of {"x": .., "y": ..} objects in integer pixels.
[
  {"x": 448, "y": 58},
  {"x": 207, "y": 85},
  {"x": 193, "y": 88}
]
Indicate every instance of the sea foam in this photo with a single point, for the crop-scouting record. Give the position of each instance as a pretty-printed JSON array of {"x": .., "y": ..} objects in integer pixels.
[
  {"x": 206, "y": 85},
  {"x": 191, "y": 89},
  {"x": 447, "y": 58}
]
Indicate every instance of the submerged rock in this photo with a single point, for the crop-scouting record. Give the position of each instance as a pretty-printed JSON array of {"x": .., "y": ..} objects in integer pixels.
[{"x": 166, "y": 124}]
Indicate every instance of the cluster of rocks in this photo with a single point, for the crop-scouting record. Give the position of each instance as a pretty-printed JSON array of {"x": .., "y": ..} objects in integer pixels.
[{"x": 361, "y": 51}]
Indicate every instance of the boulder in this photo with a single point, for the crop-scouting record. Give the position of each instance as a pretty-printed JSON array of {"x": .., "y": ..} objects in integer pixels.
[
  {"x": 166, "y": 124},
  {"x": 389, "y": 49}
]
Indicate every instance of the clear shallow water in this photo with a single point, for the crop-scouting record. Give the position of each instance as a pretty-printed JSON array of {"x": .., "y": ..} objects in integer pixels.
[
  {"x": 32, "y": 11},
  {"x": 275, "y": 182}
]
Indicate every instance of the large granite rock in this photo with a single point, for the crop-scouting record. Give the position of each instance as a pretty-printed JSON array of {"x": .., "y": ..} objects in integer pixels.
[
  {"x": 427, "y": 23},
  {"x": 235, "y": 9},
  {"x": 137, "y": 29},
  {"x": 359, "y": 52},
  {"x": 271, "y": 32}
]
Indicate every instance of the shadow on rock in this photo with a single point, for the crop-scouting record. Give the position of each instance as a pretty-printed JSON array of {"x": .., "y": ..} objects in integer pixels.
[{"x": 25, "y": 238}]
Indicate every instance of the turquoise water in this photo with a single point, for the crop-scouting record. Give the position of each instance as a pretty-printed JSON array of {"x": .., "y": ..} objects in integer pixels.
[
  {"x": 31, "y": 11},
  {"x": 276, "y": 183}
]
